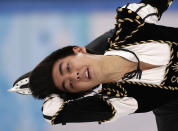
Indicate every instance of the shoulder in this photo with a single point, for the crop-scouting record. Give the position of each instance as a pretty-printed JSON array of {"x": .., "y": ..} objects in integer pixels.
[{"x": 51, "y": 106}]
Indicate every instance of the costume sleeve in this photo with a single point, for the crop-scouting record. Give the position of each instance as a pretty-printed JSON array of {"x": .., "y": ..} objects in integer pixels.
[
  {"x": 160, "y": 5},
  {"x": 86, "y": 109},
  {"x": 148, "y": 96},
  {"x": 123, "y": 106},
  {"x": 50, "y": 106},
  {"x": 133, "y": 17},
  {"x": 127, "y": 24},
  {"x": 142, "y": 13},
  {"x": 100, "y": 44},
  {"x": 148, "y": 13}
]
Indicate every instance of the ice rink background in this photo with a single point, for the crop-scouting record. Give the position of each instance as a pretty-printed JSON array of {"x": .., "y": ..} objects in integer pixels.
[{"x": 30, "y": 30}]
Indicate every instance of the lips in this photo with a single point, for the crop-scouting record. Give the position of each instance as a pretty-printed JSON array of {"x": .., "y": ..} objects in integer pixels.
[{"x": 87, "y": 73}]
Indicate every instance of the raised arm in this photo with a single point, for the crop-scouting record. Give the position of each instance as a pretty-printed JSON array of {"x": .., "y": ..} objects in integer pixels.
[
  {"x": 87, "y": 109},
  {"x": 149, "y": 10},
  {"x": 131, "y": 18}
]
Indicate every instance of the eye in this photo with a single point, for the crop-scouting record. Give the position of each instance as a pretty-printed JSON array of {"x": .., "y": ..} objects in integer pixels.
[
  {"x": 68, "y": 67},
  {"x": 71, "y": 85}
]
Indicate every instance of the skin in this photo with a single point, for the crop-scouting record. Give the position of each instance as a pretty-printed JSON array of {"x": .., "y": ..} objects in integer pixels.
[{"x": 83, "y": 71}]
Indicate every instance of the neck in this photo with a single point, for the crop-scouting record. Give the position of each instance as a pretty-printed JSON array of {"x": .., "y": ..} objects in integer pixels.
[{"x": 115, "y": 67}]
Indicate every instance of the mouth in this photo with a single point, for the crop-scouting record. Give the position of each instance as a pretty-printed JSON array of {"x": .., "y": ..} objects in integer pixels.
[{"x": 87, "y": 73}]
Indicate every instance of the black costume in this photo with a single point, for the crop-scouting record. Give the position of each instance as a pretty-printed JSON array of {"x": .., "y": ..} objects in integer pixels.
[
  {"x": 167, "y": 114},
  {"x": 150, "y": 97}
]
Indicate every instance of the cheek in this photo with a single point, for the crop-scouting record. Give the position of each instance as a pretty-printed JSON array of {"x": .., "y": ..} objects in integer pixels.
[
  {"x": 78, "y": 62},
  {"x": 84, "y": 86}
]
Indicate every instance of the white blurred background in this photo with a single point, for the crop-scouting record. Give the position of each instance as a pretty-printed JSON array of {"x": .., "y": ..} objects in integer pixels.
[{"x": 30, "y": 30}]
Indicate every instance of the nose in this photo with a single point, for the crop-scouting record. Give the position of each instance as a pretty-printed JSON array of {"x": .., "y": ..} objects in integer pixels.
[
  {"x": 78, "y": 77},
  {"x": 75, "y": 76}
]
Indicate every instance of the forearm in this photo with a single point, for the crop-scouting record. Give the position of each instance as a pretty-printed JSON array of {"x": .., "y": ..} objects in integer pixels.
[
  {"x": 149, "y": 10},
  {"x": 87, "y": 109},
  {"x": 148, "y": 96}
]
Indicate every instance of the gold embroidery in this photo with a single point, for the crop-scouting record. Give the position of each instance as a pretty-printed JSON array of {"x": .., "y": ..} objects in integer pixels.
[
  {"x": 163, "y": 42},
  {"x": 117, "y": 95},
  {"x": 117, "y": 32},
  {"x": 115, "y": 23},
  {"x": 129, "y": 11},
  {"x": 137, "y": 17},
  {"x": 57, "y": 113},
  {"x": 117, "y": 38},
  {"x": 120, "y": 10},
  {"x": 115, "y": 16},
  {"x": 113, "y": 110},
  {"x": 118, "y": 24},
  {"x": 151, "y": 85},
  {"x": 128, "y": 19},
  {"x": 120, "y": 20},
  {"x": 118, "y": 45},
  {"x": 175, "y": 67},
  {"x": 168, "y": 66},
  {"x": 138, "y": 21},
  {"x": 174, "y": 79},
  {"x": 108, "y": 93}
]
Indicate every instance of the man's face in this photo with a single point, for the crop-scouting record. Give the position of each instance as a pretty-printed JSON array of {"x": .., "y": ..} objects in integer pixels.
[{"x": 80, "y": 72}]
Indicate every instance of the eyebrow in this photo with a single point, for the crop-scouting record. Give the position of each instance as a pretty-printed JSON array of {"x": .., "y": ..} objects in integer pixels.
[
  {"x": 60, "y": 68},
  {"x": 63, "y": 82}
]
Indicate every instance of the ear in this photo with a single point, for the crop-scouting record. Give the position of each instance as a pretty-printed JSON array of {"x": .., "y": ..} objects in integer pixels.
[{"x": 79, "y": 49}]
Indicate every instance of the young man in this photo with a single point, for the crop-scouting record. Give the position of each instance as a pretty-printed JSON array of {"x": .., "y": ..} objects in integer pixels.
[{"x": 69, "y": 74}]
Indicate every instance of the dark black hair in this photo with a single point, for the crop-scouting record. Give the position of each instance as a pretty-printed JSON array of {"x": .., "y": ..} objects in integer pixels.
[{"x": 41, "y": 81}]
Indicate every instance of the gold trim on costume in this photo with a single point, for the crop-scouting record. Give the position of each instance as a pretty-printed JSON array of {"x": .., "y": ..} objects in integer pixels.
[
  {"x": 113, "y": 110},
  {"x": 57, "y": 113},
  {"x": 175, "y": 67},
  {"x": 167, "y": 68}
]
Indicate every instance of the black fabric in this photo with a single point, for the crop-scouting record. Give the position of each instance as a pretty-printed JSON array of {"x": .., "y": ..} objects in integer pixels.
[
  {"x": 127, "y": 5},
  {"x": 47, "y": 117},
  {"x": 126, "y": 26},
  {"x": 148, "y": 98},
  {"x": 167, "y": 116},
  {"x": 144, "y": 33},
  {"x": 100, "y": 44},
  {"x": 172, "y": 75},
  {"x": 154, "y": 32},
  {"x": 161, "y": 5},
  {"x": 87, "y": 109}
]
